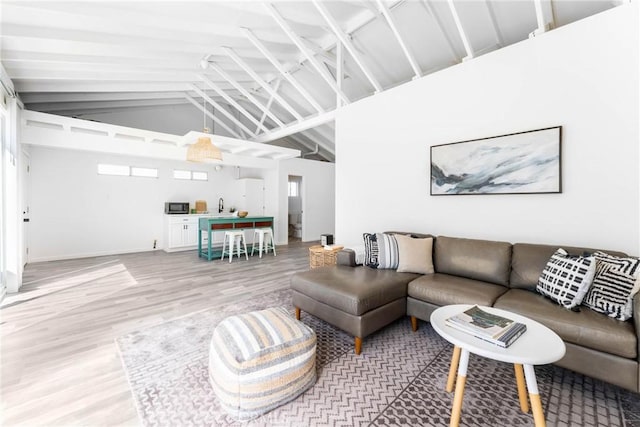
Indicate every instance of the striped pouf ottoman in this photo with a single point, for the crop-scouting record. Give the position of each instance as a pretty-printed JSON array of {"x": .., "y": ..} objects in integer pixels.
[{"x": 261, "y": 360}]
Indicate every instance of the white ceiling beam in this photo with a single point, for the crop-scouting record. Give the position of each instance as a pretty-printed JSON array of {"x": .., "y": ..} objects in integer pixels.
[
  {"x": 114, "y": 76},
  {"x": 97, "y": 86},
  {"x": 346, "y": 42},
  {"x": 494, "y": 23},
  {"x": 50, "y": 107},
  {"x": 242, "y": 64},
  {"x": 305, "y": 51},
  {"x": 232, "y": 102},
  {"x": 221, "y": 109},
  {"x": 245, "y": 92},
  {"x": 394, "y": 29},
  {"x": 264, "y": 115},
  {"x": 339, "y": 71},
  {"x": 463, "y": 35},
  {"x": 35, "y": 98},
  {"x": 307, "y": 123},
  {"x": 274, "y": 61},
  {"x": 544, "y": 17},
  {"x": 211, "y": 116},
  {"x": 441, "y": 30}
]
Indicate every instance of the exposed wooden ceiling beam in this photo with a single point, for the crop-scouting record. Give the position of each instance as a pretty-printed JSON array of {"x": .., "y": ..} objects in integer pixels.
[
  {"x": 222, "y": 110},
  {"x": 97, "y": 86},
  {"x": 346, "y": 41},
  {"x": 394, "y": 29},
  {"x": 307, "y": 123},
  {"x": 242, "y": 64},
  {"x": 245, "y": 92},
  {"x": 211, "y": 116},
  {"x": 274, "y": 61},
  {"x": 544, "y": 16},
  {"x": 310, "y": 57},
  {"x": 463, "y": 35},
  {"x": 232, "y": 101},
  {"x": 264, "y": 114},
  {"x": 494, "y": 23}
]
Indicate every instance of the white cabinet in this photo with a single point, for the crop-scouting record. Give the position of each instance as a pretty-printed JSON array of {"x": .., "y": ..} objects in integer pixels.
[
  {"x": 252, "y": 196},
  {"x": 181, "y": 232}
]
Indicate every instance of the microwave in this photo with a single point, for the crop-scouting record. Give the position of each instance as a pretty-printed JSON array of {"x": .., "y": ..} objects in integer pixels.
[{"x": 176, "y": 208}]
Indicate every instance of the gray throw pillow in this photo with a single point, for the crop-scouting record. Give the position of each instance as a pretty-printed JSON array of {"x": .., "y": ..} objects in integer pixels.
[{"x": 415, "y": 255}]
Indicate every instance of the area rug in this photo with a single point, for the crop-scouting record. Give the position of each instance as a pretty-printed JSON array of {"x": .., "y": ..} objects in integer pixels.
[{"x": 399, "y": 379}]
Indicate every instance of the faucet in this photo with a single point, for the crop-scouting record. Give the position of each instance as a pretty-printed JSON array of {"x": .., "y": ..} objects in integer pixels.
[{"x": 220, "y": 205}]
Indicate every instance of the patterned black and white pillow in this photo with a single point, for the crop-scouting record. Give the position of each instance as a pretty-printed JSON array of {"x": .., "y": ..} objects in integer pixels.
[
  {"x": 387, "y": 251},
  {"x": 370, "y": 250},
  {"x": 614, "y": 286},
  {"x": 566, "y": 279}
]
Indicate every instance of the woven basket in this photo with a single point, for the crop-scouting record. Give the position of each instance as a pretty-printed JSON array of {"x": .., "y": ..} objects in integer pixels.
[{"x": 319, "y": 256}]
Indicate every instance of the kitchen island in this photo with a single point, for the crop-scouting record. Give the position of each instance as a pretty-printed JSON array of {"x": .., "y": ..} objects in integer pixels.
[{"x": 209, "y": 225}]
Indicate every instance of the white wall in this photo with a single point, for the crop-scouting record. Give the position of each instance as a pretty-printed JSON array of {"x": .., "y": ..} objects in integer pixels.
[
  {"x": 76, "y": 212},
  {"x": 318, "y": 198},
  {"x": 583, "y": 76}
]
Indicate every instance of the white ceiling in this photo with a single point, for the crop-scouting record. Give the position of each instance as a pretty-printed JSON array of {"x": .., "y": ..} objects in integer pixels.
[{"x": 75, "y": 58}]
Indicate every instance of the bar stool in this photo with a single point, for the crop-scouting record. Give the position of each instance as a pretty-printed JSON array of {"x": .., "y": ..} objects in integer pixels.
[
  {"x": 238, "y": 238},
  {"x": 265, "y": 241}
]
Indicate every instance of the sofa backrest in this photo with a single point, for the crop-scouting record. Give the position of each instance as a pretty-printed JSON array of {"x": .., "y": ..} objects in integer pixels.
[
  {"x": 485, "y": 260},
  {"x": 528, "y": 261}
]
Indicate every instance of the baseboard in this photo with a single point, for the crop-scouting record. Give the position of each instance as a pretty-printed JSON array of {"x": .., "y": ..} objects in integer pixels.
[{"x": 89, "y": 255}]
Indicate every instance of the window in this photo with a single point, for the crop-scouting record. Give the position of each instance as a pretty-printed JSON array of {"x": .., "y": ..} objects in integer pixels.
[
  {"x": 191, "y": 175},
  {"x": 121, "y": 170},
  {"x": 199, "y": 176},
  {"x": 294, "y": 189},
  {"x": 144, "y": 172},
  {"x": 113, "y": 170},
  {"x": 178, "y": 174}
]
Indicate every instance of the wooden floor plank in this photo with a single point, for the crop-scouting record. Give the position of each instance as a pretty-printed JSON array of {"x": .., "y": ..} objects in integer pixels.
[{"x": 60, "y": 364}]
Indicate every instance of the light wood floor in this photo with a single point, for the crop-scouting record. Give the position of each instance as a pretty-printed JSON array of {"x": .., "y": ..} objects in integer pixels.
[{"x": 59, "y": 361}]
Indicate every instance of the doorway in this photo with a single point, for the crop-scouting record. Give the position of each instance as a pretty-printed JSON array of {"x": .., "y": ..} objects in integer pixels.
[
  {"x": 25, "y": 184},
  {"x": 295, "y": 208}
]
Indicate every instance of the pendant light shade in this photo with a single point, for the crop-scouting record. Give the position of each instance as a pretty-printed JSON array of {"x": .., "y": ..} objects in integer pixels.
[{"x": 203, "y": 150}]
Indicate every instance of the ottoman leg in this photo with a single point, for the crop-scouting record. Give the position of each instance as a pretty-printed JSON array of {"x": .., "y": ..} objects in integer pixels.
[
  {"x": 297, "y": 313},
  {"x": 358, "y": 345}
]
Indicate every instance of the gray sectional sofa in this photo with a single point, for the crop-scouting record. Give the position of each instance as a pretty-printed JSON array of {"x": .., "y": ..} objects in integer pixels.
[{"x": 361, "y": 300}]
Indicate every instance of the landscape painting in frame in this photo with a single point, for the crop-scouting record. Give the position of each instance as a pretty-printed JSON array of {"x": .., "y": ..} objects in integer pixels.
[{"x": 518, "y": 163}]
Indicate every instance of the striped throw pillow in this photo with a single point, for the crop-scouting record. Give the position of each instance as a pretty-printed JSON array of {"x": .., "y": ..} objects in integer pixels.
[
  {"x": 566, "y": 279},
  {"x": 614, "y": 286},
  {"x": 370, "y": 250},
  {"x": 387, "y": 251}
]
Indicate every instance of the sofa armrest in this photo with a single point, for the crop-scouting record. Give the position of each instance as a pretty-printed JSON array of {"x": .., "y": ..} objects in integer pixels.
[
  {"x": 636, "y": 322},
  {"x": 346, "y": 257}
]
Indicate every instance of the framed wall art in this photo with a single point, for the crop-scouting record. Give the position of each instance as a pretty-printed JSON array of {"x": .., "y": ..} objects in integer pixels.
[{"x": 517, "y": 163}]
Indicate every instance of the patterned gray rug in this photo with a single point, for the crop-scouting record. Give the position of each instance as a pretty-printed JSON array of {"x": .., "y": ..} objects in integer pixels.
[{"x": 398, "y": 379}]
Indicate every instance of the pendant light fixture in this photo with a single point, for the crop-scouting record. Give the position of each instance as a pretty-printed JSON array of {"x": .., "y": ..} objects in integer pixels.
[{"x": 203, "y": 149}]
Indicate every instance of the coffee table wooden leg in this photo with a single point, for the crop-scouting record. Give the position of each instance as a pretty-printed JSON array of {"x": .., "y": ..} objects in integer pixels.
[
  {"x": 522, "y": 388},
  {"x": 297, "y": 313},
  {"x": 534, "y": 396},
  {"x": 455, "y": 358},
  {"x": 457, "y": 398}
]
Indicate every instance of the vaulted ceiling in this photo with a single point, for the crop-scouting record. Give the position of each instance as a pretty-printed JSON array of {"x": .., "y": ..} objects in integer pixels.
[{"x": 273, "y": 72}]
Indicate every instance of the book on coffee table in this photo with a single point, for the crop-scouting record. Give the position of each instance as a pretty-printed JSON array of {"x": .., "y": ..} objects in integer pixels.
[{"x": 486, "y": 326}]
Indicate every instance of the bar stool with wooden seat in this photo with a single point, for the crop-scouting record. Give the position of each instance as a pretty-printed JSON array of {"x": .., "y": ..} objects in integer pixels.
[
  {"x": 234, "y": 237},
  {"x": 265, "y": 241}
]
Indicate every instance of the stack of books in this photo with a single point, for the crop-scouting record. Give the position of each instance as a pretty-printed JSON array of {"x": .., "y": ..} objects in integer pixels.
[{"x": 486, "y": 326}]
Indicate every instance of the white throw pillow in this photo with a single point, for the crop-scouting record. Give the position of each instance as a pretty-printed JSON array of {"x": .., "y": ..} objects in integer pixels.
[
  {"x": 566, "y": 279},
  {"x": 415, "y": 254}
]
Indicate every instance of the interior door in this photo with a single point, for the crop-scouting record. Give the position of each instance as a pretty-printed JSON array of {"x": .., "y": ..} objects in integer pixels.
[{"x": 25, "y": 186}]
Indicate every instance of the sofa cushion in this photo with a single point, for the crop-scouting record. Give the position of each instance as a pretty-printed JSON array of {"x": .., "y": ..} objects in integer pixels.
[
  {"x": 614, "y": 286},
  {"x": 484, "y": 260},
  {"x": 354, "y": 290},
  {"x": 528, "y": 261},
  {"x": 387, "y": 251},
  {"x": 415, "y": 255},
  {"x": 585, "y": 328},
  {"x": 444, "y": 289},
  {"x": 566, "y": 279}
]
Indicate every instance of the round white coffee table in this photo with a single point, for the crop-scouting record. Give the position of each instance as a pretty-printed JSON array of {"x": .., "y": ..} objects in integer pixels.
[{"x": 539, "y": 345}]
